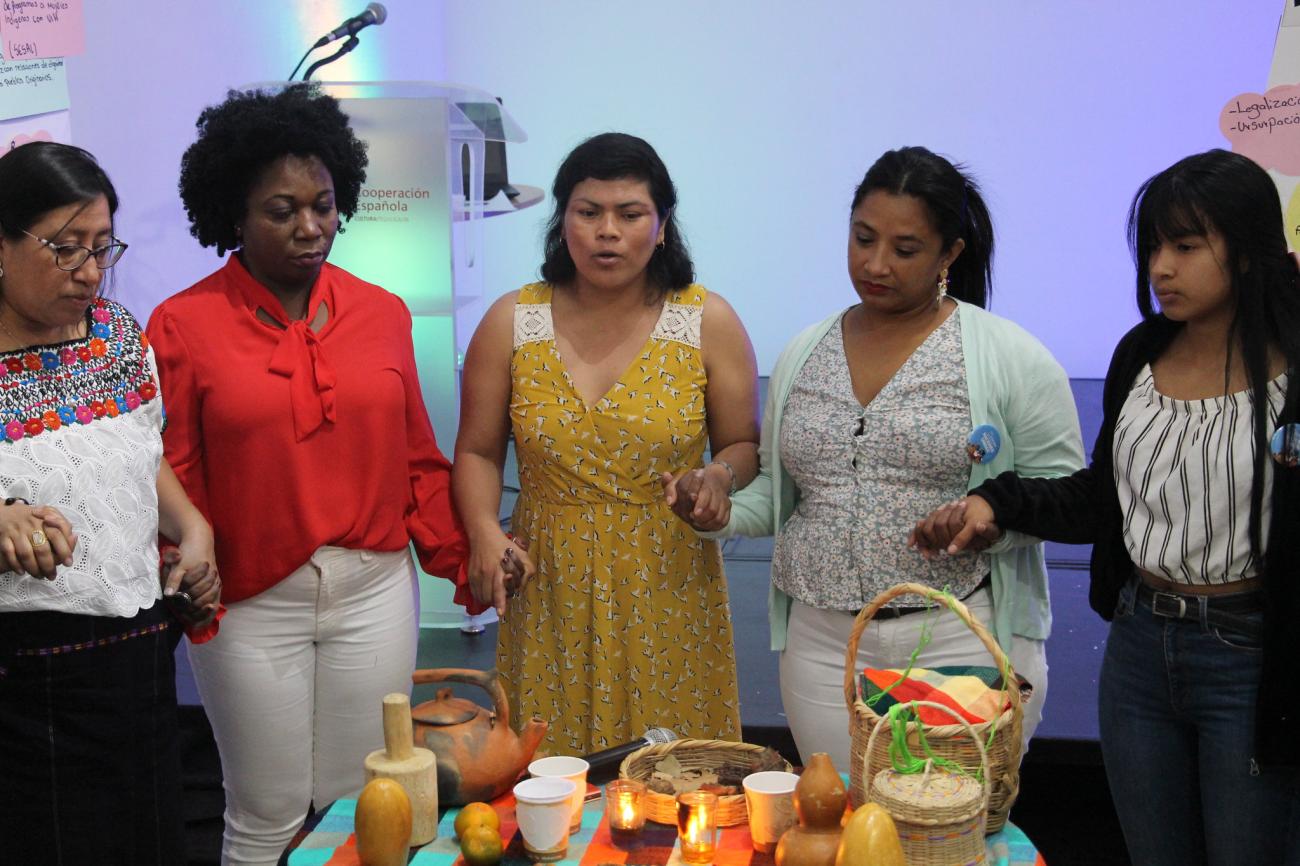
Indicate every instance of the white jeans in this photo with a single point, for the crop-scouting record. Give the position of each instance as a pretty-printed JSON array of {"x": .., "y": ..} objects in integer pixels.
[
  {"x": 812, "y": 666},
  {"x": 293, "y": 685}
]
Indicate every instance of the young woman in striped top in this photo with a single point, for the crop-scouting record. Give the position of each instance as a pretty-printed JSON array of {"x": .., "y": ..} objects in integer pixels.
[{"x": 1194, "y": 558}]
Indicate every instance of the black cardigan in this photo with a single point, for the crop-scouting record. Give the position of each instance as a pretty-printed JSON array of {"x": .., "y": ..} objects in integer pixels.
[{"x": 1084, "y": 507}]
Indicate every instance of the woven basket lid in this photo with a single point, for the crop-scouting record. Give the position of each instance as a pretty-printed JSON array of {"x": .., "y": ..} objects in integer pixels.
[{"x": 941, "y": 795}]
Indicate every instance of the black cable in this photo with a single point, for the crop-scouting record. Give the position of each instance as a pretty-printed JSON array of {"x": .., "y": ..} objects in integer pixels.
[
  {"x": 352, "y": 42},
  {"x": 299, "y": 66}
]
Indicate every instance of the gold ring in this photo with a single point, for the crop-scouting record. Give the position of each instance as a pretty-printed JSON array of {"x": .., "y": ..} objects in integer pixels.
[{"x": 39, "y": 539}]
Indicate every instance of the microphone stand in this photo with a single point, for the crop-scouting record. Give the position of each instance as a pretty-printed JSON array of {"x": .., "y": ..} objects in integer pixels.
[{"x": 352, "y": 43}]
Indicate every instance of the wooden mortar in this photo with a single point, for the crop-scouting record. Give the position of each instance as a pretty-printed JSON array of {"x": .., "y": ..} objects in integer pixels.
[{"x": 413, "y": 768}]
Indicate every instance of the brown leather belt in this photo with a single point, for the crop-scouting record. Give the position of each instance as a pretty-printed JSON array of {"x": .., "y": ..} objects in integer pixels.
[{"x": 1160, "y": 584}]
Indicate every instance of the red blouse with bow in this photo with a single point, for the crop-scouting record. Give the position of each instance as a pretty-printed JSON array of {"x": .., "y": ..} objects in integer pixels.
[{"x": 287, "y": 439}]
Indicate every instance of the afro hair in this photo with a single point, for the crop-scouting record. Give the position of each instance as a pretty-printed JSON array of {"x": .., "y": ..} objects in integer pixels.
[{"x": 240, "y": 137}]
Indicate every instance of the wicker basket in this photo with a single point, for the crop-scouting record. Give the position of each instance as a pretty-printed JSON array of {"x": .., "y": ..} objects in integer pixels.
[
  {"x": 940, "y": 815},
  {"x": 947, "y": 741},
  {"x": 692, "y": 755}
]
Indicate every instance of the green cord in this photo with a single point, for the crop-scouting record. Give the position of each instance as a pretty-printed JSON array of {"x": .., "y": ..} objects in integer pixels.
[{"x": 900, "y": 756}]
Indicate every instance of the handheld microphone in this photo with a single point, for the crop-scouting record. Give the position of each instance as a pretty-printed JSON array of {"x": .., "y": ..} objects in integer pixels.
[
  {"x": 375, "y": 14},
  {"x": 612, "y": 757}
]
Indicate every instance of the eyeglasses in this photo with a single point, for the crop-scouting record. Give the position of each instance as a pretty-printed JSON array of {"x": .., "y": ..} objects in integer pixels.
[{"x": 69, "y": 257}]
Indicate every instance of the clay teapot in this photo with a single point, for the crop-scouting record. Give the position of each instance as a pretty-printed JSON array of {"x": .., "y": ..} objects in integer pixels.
[
  {"x": 479, "y": 756},
  {"x": 819, "y": 803}
]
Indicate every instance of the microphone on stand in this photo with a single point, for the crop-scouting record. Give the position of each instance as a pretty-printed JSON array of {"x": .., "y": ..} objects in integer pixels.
[
  {"x": 375, "y": 14},
  {"x": 612, "y": 757}
]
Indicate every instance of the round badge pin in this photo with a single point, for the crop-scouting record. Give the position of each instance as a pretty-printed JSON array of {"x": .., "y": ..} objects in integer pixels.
[
  {"x": 1285, "y": 445},
  {"x": 983, "y": 444}
]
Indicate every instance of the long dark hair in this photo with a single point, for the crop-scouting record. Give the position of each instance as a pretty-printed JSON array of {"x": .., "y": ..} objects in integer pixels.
[
  {"x": 1226, "y": 193},
  {"x": 613, "y": 156},
  {"x": 37, "y": 177},
  {"x": 956, "y": 208}
]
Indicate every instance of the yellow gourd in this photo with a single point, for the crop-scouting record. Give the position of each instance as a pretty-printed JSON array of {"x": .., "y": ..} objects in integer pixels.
[
  {"x": 870, "y": 839},
  {"x": 383, "y": 824}
]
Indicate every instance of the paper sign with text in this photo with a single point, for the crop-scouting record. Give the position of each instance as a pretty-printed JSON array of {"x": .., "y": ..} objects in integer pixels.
[
  {"x": 1266, "y": 127},
  {"x": 32, "y": 87},
  {"x": 41, "y": 28}
]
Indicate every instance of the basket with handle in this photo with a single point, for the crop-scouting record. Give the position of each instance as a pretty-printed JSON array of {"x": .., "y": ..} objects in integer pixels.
[
  {"x": 940, "y": 815},
  {"x": 1001, "y": 736}
]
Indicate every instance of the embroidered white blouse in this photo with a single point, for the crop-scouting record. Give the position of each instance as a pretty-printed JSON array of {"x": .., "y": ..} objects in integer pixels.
[{"x": 82, "y": 424}]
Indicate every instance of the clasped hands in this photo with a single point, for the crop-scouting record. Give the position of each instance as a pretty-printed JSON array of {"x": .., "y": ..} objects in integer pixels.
[
  {"x": 701, "y": 497},
  {"x": 963, "y": 525},
  {"x": 37, "y": 539},
  {"x": 499, "y": 569}
]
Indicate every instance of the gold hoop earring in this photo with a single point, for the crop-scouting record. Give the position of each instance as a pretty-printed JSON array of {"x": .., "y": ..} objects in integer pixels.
[{"x": 943, "y": 283}]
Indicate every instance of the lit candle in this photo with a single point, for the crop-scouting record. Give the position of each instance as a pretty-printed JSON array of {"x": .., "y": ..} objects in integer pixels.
[
  {"x": 697, "y": 826},
  {"x": 623, "y": 797}
]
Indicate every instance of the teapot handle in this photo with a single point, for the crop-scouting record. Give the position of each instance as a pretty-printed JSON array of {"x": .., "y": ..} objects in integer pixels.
[{"x": 486, "y": 680}]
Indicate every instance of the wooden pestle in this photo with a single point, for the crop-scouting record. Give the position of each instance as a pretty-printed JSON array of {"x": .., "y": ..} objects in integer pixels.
[{"x": 413, "y": 768}]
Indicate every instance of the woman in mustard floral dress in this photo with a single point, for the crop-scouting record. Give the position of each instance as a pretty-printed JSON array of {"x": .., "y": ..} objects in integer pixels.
[{"x": 613, "y": 375}]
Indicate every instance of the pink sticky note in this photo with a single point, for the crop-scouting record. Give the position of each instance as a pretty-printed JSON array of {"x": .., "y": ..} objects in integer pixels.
[
  {"x": 41, "y": 28},
  {"x": 1266, "y": 127}
]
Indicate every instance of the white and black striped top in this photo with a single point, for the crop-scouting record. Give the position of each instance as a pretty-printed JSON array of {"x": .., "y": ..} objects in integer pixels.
[{"x": 1184, "y": 469}]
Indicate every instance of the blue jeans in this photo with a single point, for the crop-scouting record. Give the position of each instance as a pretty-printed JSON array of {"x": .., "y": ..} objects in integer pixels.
[{"x": 1177, "y": 712}]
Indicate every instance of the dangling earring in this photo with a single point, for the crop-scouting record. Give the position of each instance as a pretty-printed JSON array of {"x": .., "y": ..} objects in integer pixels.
[
  {"x": 659, "y": 247},
  {"x": 943, "y": 284}
]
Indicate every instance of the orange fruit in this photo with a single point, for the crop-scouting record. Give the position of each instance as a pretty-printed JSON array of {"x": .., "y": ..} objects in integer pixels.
[
  {"x": 477, "y": 815},
  {"x": 481, "y": 845}
]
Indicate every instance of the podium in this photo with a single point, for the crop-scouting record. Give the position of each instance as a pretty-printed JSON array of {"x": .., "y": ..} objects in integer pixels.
[{"x": 418, "y": 232}]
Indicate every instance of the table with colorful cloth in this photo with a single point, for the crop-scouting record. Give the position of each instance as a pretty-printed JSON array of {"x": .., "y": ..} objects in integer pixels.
[{"x": 328, "y": 841}]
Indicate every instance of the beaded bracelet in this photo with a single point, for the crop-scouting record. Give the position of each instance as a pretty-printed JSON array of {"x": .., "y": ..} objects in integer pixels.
[
  {"x": 727, "y": 466},
  {"x": 12, "y": 499}
]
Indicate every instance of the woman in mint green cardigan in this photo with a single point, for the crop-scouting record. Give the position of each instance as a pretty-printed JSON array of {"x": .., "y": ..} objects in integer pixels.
[{"x": 869, "y": 415}]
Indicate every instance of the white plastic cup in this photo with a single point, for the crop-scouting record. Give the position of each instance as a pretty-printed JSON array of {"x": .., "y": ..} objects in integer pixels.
[
  {"x": 564, "y": 767},
  {"x": 542, "y": 812},
  {"x": 769, "y": 799}
]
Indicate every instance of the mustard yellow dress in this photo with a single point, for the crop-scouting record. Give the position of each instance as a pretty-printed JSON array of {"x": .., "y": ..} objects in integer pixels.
[{"x": 627, "y": 625}]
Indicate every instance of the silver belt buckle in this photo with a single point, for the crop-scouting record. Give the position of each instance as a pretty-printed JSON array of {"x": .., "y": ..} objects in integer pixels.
[{"x": 1168, "y": 604}]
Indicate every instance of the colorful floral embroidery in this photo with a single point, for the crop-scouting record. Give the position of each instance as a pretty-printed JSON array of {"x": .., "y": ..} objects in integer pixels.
[{"x": 103, "y": 375}]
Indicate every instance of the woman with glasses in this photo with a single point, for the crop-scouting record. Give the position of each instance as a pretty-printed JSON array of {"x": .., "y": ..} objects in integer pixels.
[
  {"x": 88, "y": 745},
  {"x": 296, "y": 424}
]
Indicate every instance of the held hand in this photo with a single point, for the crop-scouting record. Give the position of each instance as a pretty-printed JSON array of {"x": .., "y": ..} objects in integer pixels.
[
  {"x": 700, "y": 497},
  {"x": 196, "y": 600},
  {"x": 711, "y": 491},
  {"x": 964, "y": 525},
  {"x": 519, "y": 568},
  {"x": 679, "y": 493},
  {"x": 190, "y": 571},
  {"x": 490, "y": 565},
  {"x": 34, "y": 541}
]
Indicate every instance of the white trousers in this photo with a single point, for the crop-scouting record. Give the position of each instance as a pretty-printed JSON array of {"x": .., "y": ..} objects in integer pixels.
[
  {"x": 812, "y": 666},
  {"x": 293, "y": 685}
]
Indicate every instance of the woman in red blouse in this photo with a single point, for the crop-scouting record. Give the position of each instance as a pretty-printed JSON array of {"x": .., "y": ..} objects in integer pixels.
[{"x": 295, "y": 423}]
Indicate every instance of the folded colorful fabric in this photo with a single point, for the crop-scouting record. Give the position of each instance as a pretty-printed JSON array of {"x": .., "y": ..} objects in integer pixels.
[{"x": 975, "y": 693}]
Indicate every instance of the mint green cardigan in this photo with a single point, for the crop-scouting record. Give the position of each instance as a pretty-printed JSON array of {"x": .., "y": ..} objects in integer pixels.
[{"x": 1016, "y": 386}]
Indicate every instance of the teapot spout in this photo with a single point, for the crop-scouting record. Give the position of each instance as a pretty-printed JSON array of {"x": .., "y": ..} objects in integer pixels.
[{"x": 531, "y": 736}]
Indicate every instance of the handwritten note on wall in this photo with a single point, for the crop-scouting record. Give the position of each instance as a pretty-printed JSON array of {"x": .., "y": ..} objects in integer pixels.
[
  {"x": 41, "y": 28},
  {"x": 32, "y": 87},
  {"x": 1266, "y": 127}
]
